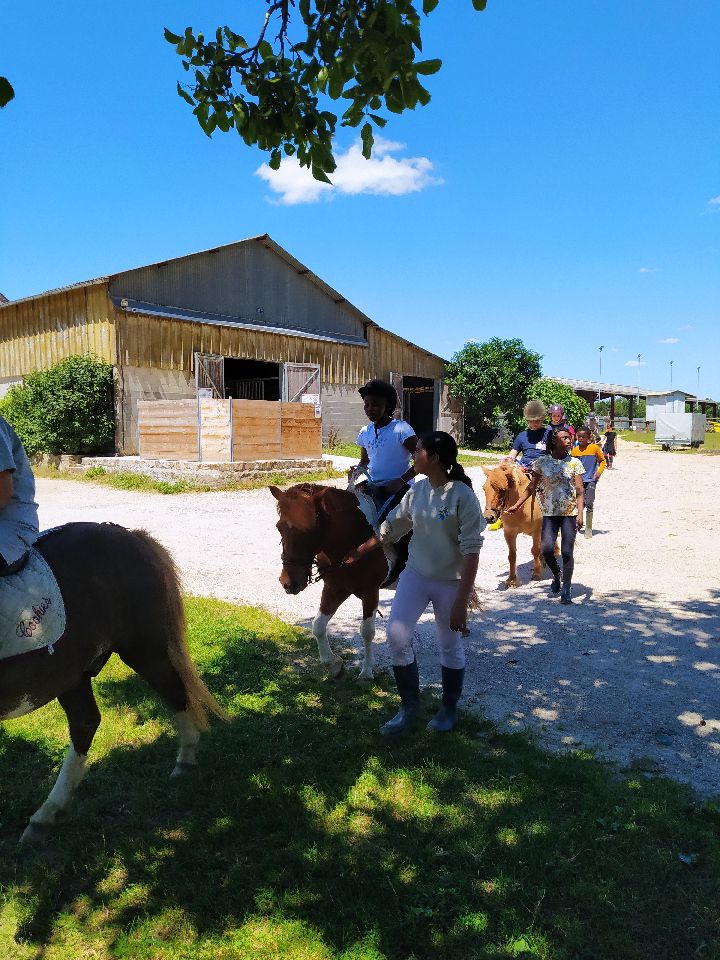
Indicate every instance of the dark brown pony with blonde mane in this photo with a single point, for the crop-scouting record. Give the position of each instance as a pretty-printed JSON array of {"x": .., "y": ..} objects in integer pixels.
[
  {"x": 504, "y": 486},
  {"x": 319, "y": 526},
  {"x": 122, "y": 595}
]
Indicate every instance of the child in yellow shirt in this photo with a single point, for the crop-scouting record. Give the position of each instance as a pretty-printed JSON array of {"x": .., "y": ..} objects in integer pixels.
[{"x": 593, "y": 460}]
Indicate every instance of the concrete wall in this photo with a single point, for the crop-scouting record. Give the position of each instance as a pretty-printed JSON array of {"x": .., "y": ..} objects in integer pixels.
[
  {"x": 343, "y": 414},
  {"x": 139, "y": 383}
]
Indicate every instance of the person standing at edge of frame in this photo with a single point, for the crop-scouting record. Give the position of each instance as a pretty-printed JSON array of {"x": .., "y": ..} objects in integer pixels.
[{"x": 18, "y": 510}]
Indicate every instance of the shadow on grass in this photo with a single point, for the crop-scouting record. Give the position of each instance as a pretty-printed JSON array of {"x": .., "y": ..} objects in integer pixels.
[{"x": 304, "y": 834}]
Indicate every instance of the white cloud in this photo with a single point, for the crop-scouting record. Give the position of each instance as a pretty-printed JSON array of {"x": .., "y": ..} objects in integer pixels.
[
  {"x": 648, "y": 270},
  {"x": 669, "y": 340},
  {"x": 382, "y": 175},
  {"x": 714, "y": 202},
  {"x": 634, "y": 363}
]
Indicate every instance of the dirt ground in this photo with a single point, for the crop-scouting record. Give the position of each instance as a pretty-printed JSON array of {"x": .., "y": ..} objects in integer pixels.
[{"x": 631, "y": 669}]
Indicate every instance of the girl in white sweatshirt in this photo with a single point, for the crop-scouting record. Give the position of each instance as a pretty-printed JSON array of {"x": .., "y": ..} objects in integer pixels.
[{"x": 447, "y": 523}]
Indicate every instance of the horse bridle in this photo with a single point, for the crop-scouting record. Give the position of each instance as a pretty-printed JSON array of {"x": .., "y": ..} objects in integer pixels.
[{"x": 312, "y": 564}]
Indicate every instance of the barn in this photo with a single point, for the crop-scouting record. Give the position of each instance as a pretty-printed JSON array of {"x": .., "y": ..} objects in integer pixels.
[{"x": 245, "y": 321}]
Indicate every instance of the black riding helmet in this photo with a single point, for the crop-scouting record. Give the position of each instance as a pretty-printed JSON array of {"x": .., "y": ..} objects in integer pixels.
[{"x": 381, "y": 388}]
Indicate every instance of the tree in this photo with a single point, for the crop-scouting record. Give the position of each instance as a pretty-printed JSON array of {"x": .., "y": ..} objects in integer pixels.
[
  {"x": 550, "y": 391},
  {"x": 66, "y": 409},
  {"x": 492, "y": 379},
  {"x": 621, "y": 408},
  {"x": 274, "y": 91},
  {"x": 6, "y": 92}
]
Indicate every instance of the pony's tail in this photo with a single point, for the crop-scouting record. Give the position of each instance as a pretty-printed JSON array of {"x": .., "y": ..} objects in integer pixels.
[
  {"x": 199, "y": 701},
  {"x": 457, "y": 473}
]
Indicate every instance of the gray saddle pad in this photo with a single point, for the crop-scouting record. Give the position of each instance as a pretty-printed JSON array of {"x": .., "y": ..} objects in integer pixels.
[{"x": 32, "y": 612}]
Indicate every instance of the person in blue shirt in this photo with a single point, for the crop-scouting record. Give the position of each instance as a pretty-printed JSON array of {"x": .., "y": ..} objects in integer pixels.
[
  {"x": 18, "y": 509},
  {"x": 531, "y": 443}
]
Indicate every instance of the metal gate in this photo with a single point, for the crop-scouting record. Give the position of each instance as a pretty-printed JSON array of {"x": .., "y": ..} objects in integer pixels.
[
  {"x": 301, "y": 383},
  {"x": 210, "y": 376}
]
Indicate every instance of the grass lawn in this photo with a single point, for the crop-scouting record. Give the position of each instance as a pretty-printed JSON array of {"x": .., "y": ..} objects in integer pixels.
[
  {"x": 128, "y": 480},
  {"x": 305, "y": 836},
  {"x": 466, "y": 459},
  {"x": 711, "y": 442}
]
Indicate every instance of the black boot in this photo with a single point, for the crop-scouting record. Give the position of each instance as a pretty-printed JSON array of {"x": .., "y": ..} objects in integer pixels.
[
  {"x": 408, "y": 685},
  {"x": 452, "y": 683}
]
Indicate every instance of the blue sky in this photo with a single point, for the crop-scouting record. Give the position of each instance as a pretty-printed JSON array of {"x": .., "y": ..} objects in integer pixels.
[{"x": 563, "y": 186}]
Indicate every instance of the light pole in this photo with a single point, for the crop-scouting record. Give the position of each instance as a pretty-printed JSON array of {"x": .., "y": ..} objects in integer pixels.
[
  {"x": 600, "y": 350},
  {"x": 671, "y": 363},
  {"x": 697, "y": 398},
  {"x": 638, "y": 393}
]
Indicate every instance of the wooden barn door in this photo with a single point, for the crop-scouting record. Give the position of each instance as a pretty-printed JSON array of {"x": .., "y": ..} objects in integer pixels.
[
  {"x": 396, "y": 379},
  {"x": 210, "y": 376},
  {"x": 301, "y": 383},
  {"x": 449, "y": 412}
]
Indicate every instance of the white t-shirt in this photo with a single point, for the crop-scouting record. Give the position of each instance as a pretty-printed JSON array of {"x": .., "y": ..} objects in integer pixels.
[
  {"x": 19, "y": 519},
  {"x": 388, "y": 458}
]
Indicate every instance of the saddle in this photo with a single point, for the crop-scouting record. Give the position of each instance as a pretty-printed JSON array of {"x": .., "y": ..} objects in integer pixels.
[
  {"x": 396, "y": 554},
  {"x": 32, "y": 611}
]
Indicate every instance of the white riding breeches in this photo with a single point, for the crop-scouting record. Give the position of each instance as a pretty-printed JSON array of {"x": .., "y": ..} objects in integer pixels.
[{"x": 412, "y": 595}]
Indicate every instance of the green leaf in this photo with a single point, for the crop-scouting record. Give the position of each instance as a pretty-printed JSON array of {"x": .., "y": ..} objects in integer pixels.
[
  {"x": 479, "y": 4},
  {"x": 185, "y": 95},
  {"x": 6, "y": 91},
  {"x": 380, "y": 121},
  {"x": 172, "y": 37},
  {"x": 320, "y": 174},
  {"x": 366, "y": 135},
  {"x": 429, "y": 6},
  {"x": 428, "y": 67}
]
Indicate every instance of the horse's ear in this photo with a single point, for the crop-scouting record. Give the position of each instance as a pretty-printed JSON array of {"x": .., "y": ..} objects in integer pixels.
[
  {"x": 276, "y": 492},
  {"x": 487, "y": 472},
  {"x": 337, "y": 500}
]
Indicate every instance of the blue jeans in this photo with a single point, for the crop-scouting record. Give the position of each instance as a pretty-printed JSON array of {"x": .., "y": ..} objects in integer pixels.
[{"x": 567, "y": 527}]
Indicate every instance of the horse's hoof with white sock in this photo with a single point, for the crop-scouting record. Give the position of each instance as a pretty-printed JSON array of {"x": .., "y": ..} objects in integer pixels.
[
  {"x": 335, "y": 667},
  {"x": 35, "y": 833},
  {"x": 180, "y": 769}
]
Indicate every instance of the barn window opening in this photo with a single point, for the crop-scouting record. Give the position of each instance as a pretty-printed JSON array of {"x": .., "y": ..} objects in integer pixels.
[{"x": 252, "y": 379}]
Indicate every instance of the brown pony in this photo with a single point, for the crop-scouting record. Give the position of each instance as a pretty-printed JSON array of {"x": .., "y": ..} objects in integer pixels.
[
  {"x": 320, "y": 525},
  {"x": 504, "y": 486},
  {"x": 122, "y": 596}
]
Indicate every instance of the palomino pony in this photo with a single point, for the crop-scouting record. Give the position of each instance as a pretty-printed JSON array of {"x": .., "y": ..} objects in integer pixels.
[
  {"x": 504, "y": 486},
  {"x": 122, "y": 596},
  {"x": 320, "y": 525}
]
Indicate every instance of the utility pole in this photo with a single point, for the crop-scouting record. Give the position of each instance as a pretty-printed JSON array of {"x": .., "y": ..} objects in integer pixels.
[
  {"x": 671, "y": 363},
  {"x": 697, "y": 398},
  {"x": 600, "y": 350}
]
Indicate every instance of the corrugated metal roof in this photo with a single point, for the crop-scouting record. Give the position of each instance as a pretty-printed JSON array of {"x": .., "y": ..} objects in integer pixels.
[{"x": 177, "y": 313}]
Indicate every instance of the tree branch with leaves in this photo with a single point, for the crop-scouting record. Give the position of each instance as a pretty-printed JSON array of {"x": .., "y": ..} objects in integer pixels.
[{"x": 275, "y": 93}]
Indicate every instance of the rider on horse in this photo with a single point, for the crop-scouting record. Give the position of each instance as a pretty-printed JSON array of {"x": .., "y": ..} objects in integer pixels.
[
  {"x": 386, "y": 446},
  {"x": 18, "y": 509}
]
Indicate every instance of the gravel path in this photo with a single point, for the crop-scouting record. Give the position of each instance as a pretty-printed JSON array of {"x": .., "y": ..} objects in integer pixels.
[{"x": 632, "y": 668}]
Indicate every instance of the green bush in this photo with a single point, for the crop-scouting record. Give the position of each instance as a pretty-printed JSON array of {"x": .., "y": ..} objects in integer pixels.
[
  {"x": 550, "y": 391},
  {"x": 66, "y": 409}
]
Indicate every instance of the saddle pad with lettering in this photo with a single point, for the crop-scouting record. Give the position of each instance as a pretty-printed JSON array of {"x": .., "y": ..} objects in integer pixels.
[{"x": 32, "y": 612}]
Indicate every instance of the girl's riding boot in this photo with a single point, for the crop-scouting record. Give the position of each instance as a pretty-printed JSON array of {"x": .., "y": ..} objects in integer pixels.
[
  {"x": 588, "y": 524},
  {"x": 408, "y": 685},
  {"x": 446, "y": 717},
  {"x": 565, "y": 594}
]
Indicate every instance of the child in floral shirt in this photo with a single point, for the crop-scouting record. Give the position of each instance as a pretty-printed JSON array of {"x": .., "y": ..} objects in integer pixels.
[{"x": 558, "y": 480}]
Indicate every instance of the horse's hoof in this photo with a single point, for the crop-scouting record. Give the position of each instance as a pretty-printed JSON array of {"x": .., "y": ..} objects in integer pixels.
[
  {"x": 35, "y": 833},
  {"x": 180, "y": 769},
  {"x": 335, "y": 667},
  {"x": 511, "y": 584}
]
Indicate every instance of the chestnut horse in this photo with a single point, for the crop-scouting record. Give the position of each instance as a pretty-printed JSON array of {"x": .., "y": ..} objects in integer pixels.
[
  {"x": 504, "y": 486},
  {"x": 122, "y": 596},
  {"x": 320, "y": 525}
]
